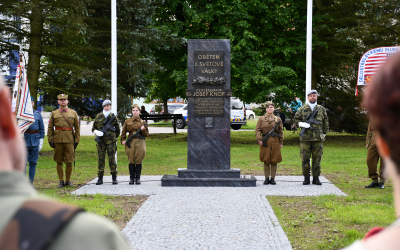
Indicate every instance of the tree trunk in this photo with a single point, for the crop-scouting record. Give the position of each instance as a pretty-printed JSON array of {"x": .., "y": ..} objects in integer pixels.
[{"x": 35, "y": 48}]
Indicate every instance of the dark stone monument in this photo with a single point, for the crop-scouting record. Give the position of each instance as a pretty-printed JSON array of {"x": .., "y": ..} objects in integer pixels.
[{"x": 209, "y": 102}]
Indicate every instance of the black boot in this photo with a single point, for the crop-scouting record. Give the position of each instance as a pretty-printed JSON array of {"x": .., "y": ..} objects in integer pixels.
[
  {"x": 306, "y": 180},
  {"x": 266, "y": 182},
  {"x": 372, "y": 185},
  {"x": 272, "y": 181},
  {"x": 68, "y": 183},
  {"x": 138, "y": 173},
  {"x": 131, "y": 174},
  {"x": 114, "y": 179},
  {"x": 100, "y": 179},
  {"x": 61, "y": 184},
  {"x": 316, "y": 181}
]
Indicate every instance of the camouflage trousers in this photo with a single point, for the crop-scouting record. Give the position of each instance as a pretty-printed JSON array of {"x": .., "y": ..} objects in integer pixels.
[
  {"x": 308, "y": 148},
  {"x": 111, "y": 147}
]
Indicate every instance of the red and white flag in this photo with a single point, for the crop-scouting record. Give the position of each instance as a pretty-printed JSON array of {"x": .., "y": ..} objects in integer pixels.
[
  {"x": 21, "y": 99},
  {"x": 371, "y": 62}
]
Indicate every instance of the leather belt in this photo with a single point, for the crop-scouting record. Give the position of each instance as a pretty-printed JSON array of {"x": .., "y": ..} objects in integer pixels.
[
  {"x": 63, "y": 128},
  {"x": 32, "y": 132}
]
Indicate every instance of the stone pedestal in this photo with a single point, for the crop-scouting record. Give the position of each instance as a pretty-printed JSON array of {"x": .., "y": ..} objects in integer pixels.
[{"x": 209, "y": 104}]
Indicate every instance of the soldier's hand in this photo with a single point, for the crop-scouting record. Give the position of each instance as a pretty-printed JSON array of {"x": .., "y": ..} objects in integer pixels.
[
  {"x": 98, "y": 133},
  {"x": 51, "y": 144},
  {"x": 75, "y": 145}
]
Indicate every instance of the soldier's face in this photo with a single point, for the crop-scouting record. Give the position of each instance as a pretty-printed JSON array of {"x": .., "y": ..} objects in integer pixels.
[
  {"x": 63, "y": 102},
  {"x": 270, "y": 109},
  {"x": 33, "y": 103},
  {"x": 107, "y": 107},
  {"x": 312, "y": 98},
  {"x": 135, "y": 112}
]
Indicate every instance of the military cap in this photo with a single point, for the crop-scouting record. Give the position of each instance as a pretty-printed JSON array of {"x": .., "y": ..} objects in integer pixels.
[
  {"x": 269, "y": 103},
  {"x": 313, "y": 91},
  {"x": 32, "y": 98},
  {"x": 106, "y": 102},
  {"x": 62, "y": 96}
]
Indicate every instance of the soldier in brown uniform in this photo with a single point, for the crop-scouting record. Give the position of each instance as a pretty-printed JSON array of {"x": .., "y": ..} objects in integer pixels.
[
  {"x": 372, "y": 160},
  {"x": 137, "y": 151},
  {"x": 270, "y": 155},
  {"x": 63, "y": 135}
]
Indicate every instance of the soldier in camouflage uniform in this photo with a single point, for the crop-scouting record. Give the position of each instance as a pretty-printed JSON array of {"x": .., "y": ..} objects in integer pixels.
[
  {"x": 108, "y": 142},
  {"x": 314, "y": 135}
]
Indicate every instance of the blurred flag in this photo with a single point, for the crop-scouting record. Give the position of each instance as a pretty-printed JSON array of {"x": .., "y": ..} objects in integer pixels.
[{"x": 21, "y": 99}]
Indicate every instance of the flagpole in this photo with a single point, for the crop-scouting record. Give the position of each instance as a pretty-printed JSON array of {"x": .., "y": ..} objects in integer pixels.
[
  {"x": 309, "y": 47},
  {"x": 114, "y": 61}
]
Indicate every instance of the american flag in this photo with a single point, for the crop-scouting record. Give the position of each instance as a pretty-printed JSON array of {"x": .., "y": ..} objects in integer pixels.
[{"x": 374, "y": 62}]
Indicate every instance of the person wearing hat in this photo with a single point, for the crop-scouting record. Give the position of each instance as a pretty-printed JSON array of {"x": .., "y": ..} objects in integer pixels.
[
  {"x": 34, "y": 137},
  {"x": 63, "y": 134},
  {"x": 137, "y": 150},
  {"x": 271, "y": 154},
  {"x": 108, "y": 142},
  {"x": 311, "y": 143}
]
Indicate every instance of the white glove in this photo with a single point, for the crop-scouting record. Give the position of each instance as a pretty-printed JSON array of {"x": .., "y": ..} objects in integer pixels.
[
  {"x": 98, "y": 133},
  {"x": 304, "y": 125},
  {"x": 40, "y": 144}
]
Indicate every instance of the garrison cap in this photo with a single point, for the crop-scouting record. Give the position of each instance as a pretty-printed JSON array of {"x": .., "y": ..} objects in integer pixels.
[
  {"x": 32, "y": 98},
  {"x": 106, "y": 102},
  {"x": 62, "y": 96},
  {"x": 313, "y": 91}
]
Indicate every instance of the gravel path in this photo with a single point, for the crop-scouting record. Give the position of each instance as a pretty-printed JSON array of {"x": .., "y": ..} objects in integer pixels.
[{"x": 207, "y": 217}]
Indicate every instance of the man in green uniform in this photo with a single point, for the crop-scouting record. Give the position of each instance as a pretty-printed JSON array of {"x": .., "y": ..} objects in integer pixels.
[
  {"x": 313, "y": 121},
  {"x": 27, "y": 218},
  {"x": 108, "y": 141},
  {"x": 63, "y": 134},
  {"x": 372, "y": 161}
]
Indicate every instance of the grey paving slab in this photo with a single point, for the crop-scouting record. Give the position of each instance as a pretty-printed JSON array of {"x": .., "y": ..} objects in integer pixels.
[{"x": 207, "y": 217}]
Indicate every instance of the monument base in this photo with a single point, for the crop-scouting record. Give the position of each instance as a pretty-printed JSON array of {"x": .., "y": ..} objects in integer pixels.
[
  {"x": 209, "y": 173},
  {"x": 175, "y": 181}
]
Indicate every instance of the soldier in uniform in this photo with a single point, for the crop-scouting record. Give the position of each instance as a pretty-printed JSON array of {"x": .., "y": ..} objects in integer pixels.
[
  {"x": 270, "y": 155},
  {"x": 34, "y": 137},
  {"x": 63, "y": 134},
  {"x": 29, "y": 220},
  {"x": 372, "y": 160},
  {"x": 107, "y": 143},
  {"x": 137, "y": 151},
  {"x": 314, "y": 135}
]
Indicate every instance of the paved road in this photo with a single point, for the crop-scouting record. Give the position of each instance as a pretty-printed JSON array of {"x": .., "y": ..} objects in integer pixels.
[{"x": 207, "y": 217}]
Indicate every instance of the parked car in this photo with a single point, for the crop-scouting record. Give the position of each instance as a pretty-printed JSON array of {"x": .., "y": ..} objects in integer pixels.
[
  {"x": 249, "y": 112},
  {"x": 171, "y": 109},
  {"x": 238, "y": 117}
]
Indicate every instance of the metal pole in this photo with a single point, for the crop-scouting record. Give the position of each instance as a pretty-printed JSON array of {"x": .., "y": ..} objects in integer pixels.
[
  {"x": 114, "y": 59},
  {"x": 309, "y": 47}
]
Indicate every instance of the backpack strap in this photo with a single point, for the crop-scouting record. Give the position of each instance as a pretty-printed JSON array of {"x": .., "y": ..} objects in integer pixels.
[{"x": 36, "y": 224}]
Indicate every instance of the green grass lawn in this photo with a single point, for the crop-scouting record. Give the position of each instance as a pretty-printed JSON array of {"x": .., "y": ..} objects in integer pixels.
[{"x": 324, "y": 222}]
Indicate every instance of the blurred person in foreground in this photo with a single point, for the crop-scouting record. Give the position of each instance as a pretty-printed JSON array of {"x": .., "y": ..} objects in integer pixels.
[
  {"x": 382, "y": 100},
  {"x": 29, "y": 221}
]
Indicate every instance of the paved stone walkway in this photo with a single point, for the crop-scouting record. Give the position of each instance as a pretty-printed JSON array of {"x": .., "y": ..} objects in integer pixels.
[{"x": 207, "y": 217}]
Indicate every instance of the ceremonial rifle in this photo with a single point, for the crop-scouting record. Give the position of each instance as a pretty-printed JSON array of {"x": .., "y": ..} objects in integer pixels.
[
  {"x": 137, "y": 134},
  {"x": 107, "y": 126},
  {"x": 310, "y": 119},
  {"x": 270, "y": 133}
]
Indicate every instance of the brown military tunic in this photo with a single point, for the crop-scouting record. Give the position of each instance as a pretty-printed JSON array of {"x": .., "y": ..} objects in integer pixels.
[
  {"x": 272, "y": 153},
  {"x": 373, "y": 155},
  {"x": 62, "y": 134},
  {"x": 137, "y": 152}
]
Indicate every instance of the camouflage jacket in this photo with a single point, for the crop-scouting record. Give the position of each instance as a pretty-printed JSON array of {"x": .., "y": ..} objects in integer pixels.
[
  {"x": 98, "y": 124},
  {"x": 318, "y": 132}
]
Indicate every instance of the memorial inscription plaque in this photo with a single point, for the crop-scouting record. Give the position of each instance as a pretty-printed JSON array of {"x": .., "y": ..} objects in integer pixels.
[{"x": 209, "y": 100}]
